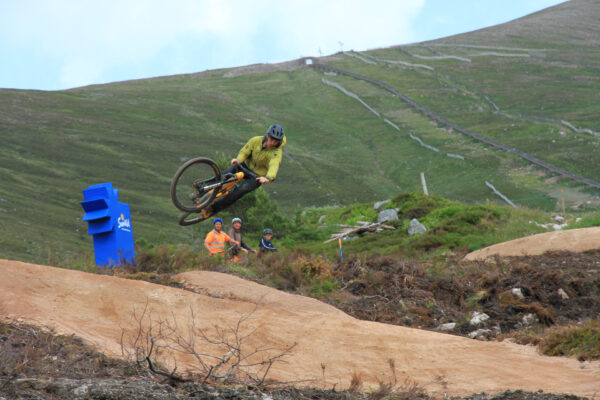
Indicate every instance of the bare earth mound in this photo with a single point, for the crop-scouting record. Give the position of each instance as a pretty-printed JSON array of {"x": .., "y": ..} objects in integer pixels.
[
  {"x": 575, "y": 240},
  {"x": 331, "y": 346}
]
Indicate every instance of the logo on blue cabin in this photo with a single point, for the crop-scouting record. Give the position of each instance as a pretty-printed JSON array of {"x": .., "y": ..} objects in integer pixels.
[{"x": 124, "y": 224}]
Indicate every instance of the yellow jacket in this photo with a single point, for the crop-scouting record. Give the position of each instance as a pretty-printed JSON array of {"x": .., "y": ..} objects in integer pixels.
[{"x": 263, "y": 162}]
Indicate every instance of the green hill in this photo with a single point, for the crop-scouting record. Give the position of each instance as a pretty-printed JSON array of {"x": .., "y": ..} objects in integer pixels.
[{"x": 531, "y": 84}]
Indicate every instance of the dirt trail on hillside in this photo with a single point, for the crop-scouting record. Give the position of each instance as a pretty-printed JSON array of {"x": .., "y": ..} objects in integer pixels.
[
  {"x": 331, "y": 346},
  {"x": 575, "y": 240}
]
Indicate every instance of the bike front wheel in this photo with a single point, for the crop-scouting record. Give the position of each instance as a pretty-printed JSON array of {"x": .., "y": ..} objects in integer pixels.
[
  {"x": 189, "y": 218},
  {"x": 195, "y": 184}
]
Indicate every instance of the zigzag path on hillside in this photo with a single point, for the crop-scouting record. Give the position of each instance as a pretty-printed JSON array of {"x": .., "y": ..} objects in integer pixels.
[
  {"x": 331, "y": 347},
  {"x": 470, "y": 90},
  {"x": 438, "y": 118}
]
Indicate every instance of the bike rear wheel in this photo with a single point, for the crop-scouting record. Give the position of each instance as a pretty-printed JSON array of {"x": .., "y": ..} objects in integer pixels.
[{"x": 195, "y": 184}]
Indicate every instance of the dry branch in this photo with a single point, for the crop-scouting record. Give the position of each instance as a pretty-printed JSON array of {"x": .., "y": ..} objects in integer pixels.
[
  {"x": 221, "y": 354},
  {"x": 348, "y": 230}
]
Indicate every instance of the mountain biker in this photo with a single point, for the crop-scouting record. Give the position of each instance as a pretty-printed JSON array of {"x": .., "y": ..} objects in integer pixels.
[
  {"x": 236, "y": 233},
  {"x": 261, "y": 155},
  {"x": 265, "y": 243},
  {"x": 215, "y": 240}
]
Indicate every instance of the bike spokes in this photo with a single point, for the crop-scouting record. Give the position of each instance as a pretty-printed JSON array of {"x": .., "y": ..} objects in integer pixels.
[
  {"x": 195, "y": 184},
  {"x": 201, "y": 192}
]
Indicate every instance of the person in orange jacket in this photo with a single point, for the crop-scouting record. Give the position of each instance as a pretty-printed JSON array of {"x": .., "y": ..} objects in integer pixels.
[{"x": 215, "y": 240}]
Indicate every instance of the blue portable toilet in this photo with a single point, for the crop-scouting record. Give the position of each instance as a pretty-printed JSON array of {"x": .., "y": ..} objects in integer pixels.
[{"x": 109, "y": 221}]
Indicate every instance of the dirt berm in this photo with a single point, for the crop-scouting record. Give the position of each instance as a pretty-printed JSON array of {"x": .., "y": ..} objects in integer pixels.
[
  {"x": 331, "y": 346},
  {"x": 574, "y": 240}
]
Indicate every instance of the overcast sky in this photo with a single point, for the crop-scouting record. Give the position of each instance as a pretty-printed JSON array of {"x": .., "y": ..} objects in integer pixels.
[{"x": 60, "y": 44}]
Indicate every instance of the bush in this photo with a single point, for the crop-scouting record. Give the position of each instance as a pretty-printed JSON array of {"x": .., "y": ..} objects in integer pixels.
[
  {"x": 325, "y": 287},
  {"x": 415, "y": 205},
  {"x": 581, "y": 342},
  {"x": 362, "y": 212},
  {"x": 297, "y": 272},
  {"x": 258, "y": 212},
  {"x": 587, "y": 221},
  {"x": 167, "y": 259}
]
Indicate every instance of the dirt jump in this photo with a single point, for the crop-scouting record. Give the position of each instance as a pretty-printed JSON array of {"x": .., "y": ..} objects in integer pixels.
[
  {"x": 327, "y": 347},
  {"x": 575, "y": 240}
]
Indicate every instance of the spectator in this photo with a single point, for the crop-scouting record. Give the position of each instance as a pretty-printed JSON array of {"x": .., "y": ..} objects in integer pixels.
[
  {"x": 265, "y": 243},
  {"x": 215, "y": 240},
  {"x": 236, "y": 233}
]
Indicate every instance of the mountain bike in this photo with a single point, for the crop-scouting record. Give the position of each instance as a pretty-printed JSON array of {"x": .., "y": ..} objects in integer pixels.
[{"x": 199, "y": 183}]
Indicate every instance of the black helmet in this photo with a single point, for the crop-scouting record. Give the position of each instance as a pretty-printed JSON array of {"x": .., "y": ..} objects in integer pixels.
[
  {"x": 267, "y": 231},
  {"x": 275, "y": 131}
]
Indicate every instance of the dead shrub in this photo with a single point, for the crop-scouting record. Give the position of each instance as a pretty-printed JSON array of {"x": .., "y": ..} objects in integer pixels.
[
  {"x": 221, "y": 355},
  {"x": 408, "y": 390},
  {"x": 296, "y": 272},
  {"x": 26, "y": 350},
  {"x": 356, "y": 383}
]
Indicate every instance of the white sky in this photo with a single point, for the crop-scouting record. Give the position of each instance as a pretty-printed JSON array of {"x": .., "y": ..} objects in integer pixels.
[{"x": 60, "y": 44}]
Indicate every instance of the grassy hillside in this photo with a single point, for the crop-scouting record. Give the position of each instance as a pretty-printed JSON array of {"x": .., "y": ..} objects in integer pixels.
[{"x": 515, "y": 83}]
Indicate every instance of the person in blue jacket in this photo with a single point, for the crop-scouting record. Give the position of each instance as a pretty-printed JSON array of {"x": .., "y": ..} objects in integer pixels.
[{"x": 265, "y": 243}]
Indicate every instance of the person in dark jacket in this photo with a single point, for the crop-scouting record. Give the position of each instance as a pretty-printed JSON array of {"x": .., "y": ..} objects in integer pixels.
[
  {"x": 265, "y": 245},
  {"x": 236, "y": 234}
]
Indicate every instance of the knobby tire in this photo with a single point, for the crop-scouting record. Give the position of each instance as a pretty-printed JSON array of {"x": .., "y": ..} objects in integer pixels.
[
  {"x": 185, "y": 221},
  {"x": 177, "y": 183}
]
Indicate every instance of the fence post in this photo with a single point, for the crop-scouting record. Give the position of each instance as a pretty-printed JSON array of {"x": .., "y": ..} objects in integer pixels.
[
  {"x": 424, "y": 184},
  {"x": 503, "y": 197}
]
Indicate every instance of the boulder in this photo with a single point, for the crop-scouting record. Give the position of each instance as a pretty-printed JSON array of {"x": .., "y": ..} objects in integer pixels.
[
  {"x": 529, "y": 319},
  {"x": 480, "y": 333},
  {"x": 380, "y": 203},
  {"x": 563, "y": 295},
  {"x": 447, "y": 327},
  {"x": 387, "y": 216},
  {"x": 415, "y": 227},
  {"x": 518, "y": 293},
  {"x": 477, "y": 318}
]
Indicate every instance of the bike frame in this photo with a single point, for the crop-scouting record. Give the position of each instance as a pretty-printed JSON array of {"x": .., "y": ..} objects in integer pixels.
[
  {"x": 223, "y": 188},
  {"x": 228, "y": 185}
]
